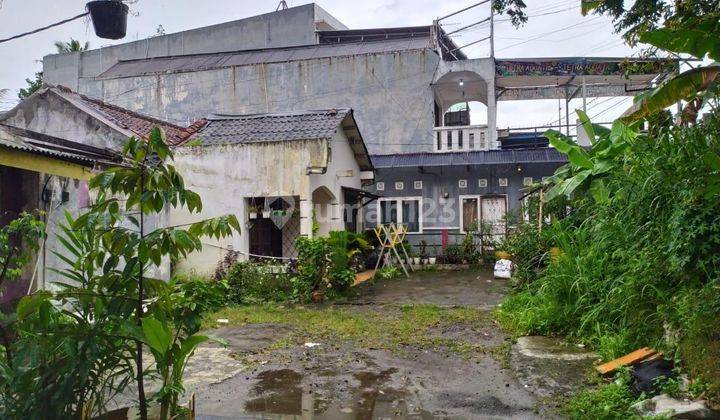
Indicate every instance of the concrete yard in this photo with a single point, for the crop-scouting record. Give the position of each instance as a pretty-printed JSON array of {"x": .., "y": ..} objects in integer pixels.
[{"x": 424, "y": 347}]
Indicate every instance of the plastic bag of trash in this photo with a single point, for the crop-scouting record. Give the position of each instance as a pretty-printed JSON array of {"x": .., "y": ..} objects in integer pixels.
[{"x": 503, "y": 269}]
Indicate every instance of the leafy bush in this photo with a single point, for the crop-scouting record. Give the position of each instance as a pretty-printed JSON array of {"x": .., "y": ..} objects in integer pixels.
[
  {"x": 529, "y": 250},
  {"x": 195, "y": 296},
  {"x": 639, "y": 265},
  {"x": 324, "y": 265},
  {"x": 250, "y": 282},
  {"x": 387, "y": 273},
  {"x": 607, "y": 401},
  {"x": 454, "y": 254},
  {"x": 470, "y": 253}
]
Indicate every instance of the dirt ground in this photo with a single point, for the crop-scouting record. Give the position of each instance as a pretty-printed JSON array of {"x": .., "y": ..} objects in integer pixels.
[{"x": 268, "y": 371}]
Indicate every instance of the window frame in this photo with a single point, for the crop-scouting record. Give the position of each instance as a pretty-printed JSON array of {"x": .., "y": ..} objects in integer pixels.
[
  {"x": 461, "y": 200},
  {"x": 400, "y": 215}
]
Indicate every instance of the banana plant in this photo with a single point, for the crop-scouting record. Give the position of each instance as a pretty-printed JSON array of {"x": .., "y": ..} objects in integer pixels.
[
  {"x": 171, "y": 350},
  {"x": 587, "y": 168},
  {"x": 689, "y": 30}
]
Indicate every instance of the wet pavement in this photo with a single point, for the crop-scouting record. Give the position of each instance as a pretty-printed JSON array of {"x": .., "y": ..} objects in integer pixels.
[
  {"x": 472, "y": 288},
  {"x": 254, "y": 378}
]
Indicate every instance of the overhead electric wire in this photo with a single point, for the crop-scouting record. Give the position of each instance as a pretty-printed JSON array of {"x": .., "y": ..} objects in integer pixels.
[
  {"x": 44, "y": 28},
  {"x": 551, "y": 32}
]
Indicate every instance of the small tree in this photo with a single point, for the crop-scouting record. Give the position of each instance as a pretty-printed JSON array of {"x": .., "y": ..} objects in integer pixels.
[
  {"x": 18, "y": 242},
  {"x": 110, "y": 307}
]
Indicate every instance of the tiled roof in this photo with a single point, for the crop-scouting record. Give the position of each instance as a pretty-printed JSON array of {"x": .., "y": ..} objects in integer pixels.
[
  {"x": 199, "y": 62},
  {"x": 139, "y": 124},
  {"x": 305, "y": 125},
  {"x": 489, "y": 157}
]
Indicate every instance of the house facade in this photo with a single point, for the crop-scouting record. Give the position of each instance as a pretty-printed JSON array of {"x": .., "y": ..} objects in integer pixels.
[
  {"x": 279, "y": 173},
  {"x": 403, "y": 84},
  {"x": 60, "y": 114},
  {"x": 42, "y": 174}
]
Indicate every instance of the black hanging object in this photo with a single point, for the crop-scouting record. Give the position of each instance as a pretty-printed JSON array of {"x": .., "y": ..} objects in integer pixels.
[{"x": 109, "y": 18}]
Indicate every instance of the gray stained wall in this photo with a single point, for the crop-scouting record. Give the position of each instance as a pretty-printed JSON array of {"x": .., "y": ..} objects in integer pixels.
[
  {"x": 291, "y": 27},
  {"x": 390, "y": 92},
  {"x": 389, "y": 89},
  {"x": 439, "y": 180}
]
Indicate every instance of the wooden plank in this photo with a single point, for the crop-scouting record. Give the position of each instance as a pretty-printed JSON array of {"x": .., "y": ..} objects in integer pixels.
[
  {"x": 43, "y": 164},
  {"x": 364, "y": 276},
  {"x": 637, "y": 356}
]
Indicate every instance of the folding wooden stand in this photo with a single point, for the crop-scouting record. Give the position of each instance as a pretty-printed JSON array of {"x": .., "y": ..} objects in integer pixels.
[{"x": 390, "y": 236}]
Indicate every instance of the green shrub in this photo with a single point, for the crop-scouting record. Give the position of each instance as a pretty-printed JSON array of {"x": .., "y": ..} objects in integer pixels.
[
  {"x": 641, "y": 268},
  {"x": 250, "y": 282},
  {"x": 529, "y": 249},
  {"x": 324, "y": 264},
  {"x": 606, "y": 401},
  {"x": 389, "y": 272},
  {"x": 454, "y": 254},
  {"x": 194, "y": 296},
  {"x": 470, "y": 253}
]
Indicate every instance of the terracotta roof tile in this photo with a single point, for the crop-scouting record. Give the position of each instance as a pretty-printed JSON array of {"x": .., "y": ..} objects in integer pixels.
[{"x": 139, "y": 124}]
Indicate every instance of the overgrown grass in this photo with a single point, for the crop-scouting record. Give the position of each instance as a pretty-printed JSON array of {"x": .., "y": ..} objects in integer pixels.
[
  {"x": 642, "y": 269},
  {"x": 606, "y": 401},
  {"x": 394, "y": 328}
]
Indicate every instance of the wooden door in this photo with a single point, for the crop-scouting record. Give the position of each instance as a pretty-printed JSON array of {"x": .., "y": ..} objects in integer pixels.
[
  {"x": 470, "y": 214},
  {"x": 265, "y": 238}
]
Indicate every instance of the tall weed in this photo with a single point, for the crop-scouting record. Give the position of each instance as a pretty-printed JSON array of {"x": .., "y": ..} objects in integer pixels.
[{"x": 632, "y": 268}]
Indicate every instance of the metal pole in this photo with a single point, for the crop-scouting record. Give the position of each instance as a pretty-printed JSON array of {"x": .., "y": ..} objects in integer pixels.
[
  {"x": 584, "y": 92},
  {"x": 540, "y": 211},
  {"x": 567, "y": 117},
  {"x": 468, "y": 26},
  {"x": 559, "y": 116},
  {"x": 469, "y": 44},
  {"x": 492, "y": 32},
  {"x": 462, "y": 10}
]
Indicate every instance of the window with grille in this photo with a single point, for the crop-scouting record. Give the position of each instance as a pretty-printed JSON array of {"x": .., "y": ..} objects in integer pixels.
[{"x": 401, "y": 210}]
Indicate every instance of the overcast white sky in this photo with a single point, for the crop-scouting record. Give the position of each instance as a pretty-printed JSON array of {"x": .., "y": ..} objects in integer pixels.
[{"x": 556, "y": 28}]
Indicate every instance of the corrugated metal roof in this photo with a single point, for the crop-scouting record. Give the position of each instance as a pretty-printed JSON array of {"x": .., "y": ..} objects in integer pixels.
[
  {"x": 306, "y": 125},
  {"x": 38, "y": 143},
  {"x": 489, "y": 157},
  {"x": 184, "y": 63}
]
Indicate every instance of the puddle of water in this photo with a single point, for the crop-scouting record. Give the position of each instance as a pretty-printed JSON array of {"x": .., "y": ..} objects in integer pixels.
[
  {"x": 279, "y": 392},
  {"x": 280, "y": 395}
]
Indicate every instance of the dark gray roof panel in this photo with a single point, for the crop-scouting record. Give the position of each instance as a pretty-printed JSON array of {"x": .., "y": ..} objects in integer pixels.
[
  {"x": 306, "y": 125},
  {"x": 490, "y": 157},
  {"x": 186, "y": 63}
]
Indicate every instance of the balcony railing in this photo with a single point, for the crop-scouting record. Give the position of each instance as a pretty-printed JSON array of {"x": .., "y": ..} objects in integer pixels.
[{"x": 463, "y": 138}]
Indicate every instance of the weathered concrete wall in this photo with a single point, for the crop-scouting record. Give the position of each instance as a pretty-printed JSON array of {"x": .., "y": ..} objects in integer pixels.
[
  {"x": 226, "y": 175},
  {"x": 390, "y": 93},
  {"x": 342, "y": 171},
  {"x": 284, "y": 28},
  {"x": 56, "y": 117}
]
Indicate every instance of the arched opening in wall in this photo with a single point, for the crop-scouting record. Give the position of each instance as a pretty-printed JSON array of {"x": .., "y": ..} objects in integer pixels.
[
  {"x": 461, "y": 112},
  {"x": 324, "y": 205}
]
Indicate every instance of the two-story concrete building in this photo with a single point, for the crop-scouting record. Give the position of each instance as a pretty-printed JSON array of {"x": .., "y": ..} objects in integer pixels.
[{"x": 436, "y": 170}]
